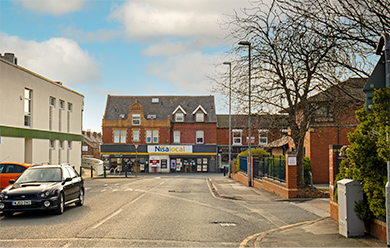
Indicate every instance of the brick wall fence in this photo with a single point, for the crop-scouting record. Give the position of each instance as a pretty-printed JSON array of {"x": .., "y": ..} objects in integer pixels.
[
  {"x": 375, "y": 228},
  {"x": 286, "y": 190}
]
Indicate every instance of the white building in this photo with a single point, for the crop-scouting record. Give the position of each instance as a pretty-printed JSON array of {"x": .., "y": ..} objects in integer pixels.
[{"x": 40, "y": 120}]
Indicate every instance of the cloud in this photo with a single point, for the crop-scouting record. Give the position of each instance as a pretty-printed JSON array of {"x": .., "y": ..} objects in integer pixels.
[
  {"x": 97, "y": 36},
  {"x": 52, "y": 7},
  {"x": 186, "y": 73},
  {"x": 58, "y": 59}
]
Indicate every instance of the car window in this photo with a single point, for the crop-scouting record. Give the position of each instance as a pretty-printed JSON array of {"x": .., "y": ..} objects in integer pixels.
[
  {"x": 2, "y": 166},
  {"x": 14, "y": 168},
  {"x": 72, "y": 172},
  {"x": 66, "y": 173},
  {"x": 40, "y": 175}
]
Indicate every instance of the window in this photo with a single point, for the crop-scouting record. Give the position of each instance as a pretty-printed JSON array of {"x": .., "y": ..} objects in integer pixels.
[
  {"x": 199, "y": 137},
  {"x": 69, "y": 145},
  {"x": 199, "y": 117},
  {"x": 119, "y": 136},
  {"x": 136, "y": 135},
  {"x": 52, "y": 102},
  {"x": 70, "y": 106},
  {"x": 252, "y": 140},
  {"x": 51, "y": 144},
  {"x": 136, "y": 119},
  {"x": 237, "y": 137},
  {"x": 263, "y": 136},
  {"x": 84, "y": 148},
  {"x": 148, "y": 136},
  {"x": 155, "y": 136},
  {"x": 152, "y": 116},
  {"x": 176, "y": 137},
  {"x": 324, "y": 113},
  {"x": 62, "y": 104},
  {"x": 179, "y": 117},
  {"x": 27, "y": 107}
]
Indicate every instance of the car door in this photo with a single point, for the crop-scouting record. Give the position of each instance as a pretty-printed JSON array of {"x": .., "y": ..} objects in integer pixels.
[
  {"x": 68, "y": 185},
  {"x": 75, "y": 187},
  {"x": 8, "y": 172}
]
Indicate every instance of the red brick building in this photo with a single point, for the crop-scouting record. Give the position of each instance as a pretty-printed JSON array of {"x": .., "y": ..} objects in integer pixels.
[
  {"x": 332, "y": 123},
  {"x": 264, "y": 130},
  {"x": 171, "y": 133},
  {"x": 91, "y": 144}
]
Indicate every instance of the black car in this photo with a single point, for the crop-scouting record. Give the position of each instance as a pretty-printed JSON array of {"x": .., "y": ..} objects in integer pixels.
[{"x": 43, "y": 187}]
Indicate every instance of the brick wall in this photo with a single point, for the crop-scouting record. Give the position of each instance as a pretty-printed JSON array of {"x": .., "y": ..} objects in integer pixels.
[
  {"x": 287, "y": 190},
  {"x": 188, "y": 132}
]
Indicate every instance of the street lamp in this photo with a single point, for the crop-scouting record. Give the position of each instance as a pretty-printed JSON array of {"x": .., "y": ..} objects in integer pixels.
[
  {"x": 247, "y": 43},
  {"x": 230, "y": 113}
]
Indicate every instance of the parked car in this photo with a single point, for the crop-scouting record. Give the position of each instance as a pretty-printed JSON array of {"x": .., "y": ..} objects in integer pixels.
[
  {"x": 43, "y": 187},
  {"x": 10, "y": 171}
]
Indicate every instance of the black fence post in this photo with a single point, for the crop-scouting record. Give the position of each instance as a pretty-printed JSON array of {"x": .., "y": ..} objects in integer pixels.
[{"x": 91, "y": 171}]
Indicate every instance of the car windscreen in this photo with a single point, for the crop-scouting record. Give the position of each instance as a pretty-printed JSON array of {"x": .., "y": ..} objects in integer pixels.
[{"x": 40, "y": 175}]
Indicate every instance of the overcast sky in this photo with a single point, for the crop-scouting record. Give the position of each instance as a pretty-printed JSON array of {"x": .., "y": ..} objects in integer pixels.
[{"x": 133, "y": 47}]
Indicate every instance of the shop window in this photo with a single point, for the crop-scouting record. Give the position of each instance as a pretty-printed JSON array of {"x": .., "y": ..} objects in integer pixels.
[
  {"x": 263, "y": 136},
  {"x": 176, "y": 137},
  {"x": 136, "y": 119},
  {"x": 148, "y": 136},
  {"x": 199, "y": 137},
  {"x": 136, "y": 135},
  {"x": 237, "y": 137}
]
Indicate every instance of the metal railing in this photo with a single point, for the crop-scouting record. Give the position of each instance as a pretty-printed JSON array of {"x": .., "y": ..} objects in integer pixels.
[{"x": 270, "y": 166}]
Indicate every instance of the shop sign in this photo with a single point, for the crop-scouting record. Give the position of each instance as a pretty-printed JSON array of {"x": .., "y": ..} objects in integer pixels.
[{"x": 169, "y": 149}]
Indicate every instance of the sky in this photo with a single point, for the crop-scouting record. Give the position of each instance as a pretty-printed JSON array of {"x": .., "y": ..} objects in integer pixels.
[{"x": 128, "y": 47}]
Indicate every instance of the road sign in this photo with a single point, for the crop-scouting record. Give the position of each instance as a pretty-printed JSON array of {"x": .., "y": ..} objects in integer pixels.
[{"x": 136, "y": 146}]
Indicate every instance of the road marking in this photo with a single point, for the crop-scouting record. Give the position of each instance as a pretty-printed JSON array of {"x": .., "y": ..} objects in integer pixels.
[{"x": 107, "y": 218}]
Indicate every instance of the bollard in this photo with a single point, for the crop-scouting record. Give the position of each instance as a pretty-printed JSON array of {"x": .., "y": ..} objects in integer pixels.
[{"x": 91, "y": 171}]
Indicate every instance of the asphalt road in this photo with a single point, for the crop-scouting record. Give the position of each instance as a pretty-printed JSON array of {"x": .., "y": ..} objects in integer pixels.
[{"x": 149, "y": 211}]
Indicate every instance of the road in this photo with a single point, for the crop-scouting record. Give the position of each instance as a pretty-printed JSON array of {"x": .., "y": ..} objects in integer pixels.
[{"x": 150, "y": 211}]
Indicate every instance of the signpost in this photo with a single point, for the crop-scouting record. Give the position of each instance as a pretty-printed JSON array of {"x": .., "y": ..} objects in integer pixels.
[{"x": 136, "y": 158}]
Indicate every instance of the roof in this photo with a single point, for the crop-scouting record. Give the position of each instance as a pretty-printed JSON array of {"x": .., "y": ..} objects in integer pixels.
[
  {"x": 161, "y": 108},
  {"x": 257, "y": 121},
  {"x": 278, "y": 143},
  {"x": 349, "y": 90}
]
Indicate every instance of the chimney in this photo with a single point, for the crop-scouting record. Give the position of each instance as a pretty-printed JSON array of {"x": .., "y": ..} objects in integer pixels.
[
  {"x": 89, "y": 132},
  {"x": 10, "y": 57},
  {"x": 94, "y": 134}
]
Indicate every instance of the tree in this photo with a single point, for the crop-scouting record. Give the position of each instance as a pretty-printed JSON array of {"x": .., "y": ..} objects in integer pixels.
[
  {"x": 368, "y": 153},
  {"x": 290, "y": 64}
]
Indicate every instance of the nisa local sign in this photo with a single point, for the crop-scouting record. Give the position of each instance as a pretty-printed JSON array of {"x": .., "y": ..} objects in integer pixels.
[{"x": 169, "y": 149}]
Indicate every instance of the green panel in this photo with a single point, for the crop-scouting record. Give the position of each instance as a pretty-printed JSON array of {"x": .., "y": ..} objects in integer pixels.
[{"x": 38, "y": 134}]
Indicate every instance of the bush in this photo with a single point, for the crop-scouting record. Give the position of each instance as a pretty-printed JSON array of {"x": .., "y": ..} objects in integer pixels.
[{"x": 256, "y": 152}]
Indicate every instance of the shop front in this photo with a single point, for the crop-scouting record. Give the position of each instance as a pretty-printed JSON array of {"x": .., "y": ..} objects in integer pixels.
[{"x": 160, "y": 158}]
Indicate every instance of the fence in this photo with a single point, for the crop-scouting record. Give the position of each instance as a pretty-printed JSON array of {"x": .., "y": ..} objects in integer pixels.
[{"x": 268, "y": 166}]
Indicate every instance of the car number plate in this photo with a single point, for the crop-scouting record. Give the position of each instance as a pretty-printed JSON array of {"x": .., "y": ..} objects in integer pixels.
[{"x": 21, "y": 203}]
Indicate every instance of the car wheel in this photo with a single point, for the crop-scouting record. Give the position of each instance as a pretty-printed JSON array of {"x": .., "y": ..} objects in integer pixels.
[
  {"x": 80, "y": 202},
  {"x": 61, "y": 204}
]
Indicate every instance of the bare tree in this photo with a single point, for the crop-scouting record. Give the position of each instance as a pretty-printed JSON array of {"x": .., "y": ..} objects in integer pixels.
[{"x": 291, "y": 62}]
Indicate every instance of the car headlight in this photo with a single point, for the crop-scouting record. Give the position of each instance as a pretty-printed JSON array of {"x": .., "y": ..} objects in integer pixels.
[
  {"x": 48, "y": 193},
  {"x": 2, "y": 195}
]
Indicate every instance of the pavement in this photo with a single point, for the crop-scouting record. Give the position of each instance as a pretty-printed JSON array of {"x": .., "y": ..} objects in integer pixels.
[{"x": 323, "y": 232}]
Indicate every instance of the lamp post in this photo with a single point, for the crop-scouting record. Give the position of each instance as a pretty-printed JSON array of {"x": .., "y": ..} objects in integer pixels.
[
  {"x": 230, "y": 113},
  {"x": 247, "y": 43}
]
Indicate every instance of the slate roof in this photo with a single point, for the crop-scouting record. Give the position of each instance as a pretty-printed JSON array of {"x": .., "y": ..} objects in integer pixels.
[
  {"x": 278, "y": 143},
  {"x": 117, "y": 105}
]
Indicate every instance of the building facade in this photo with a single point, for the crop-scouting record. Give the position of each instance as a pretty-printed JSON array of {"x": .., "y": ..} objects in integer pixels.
[
  {"x": 91, "y": 144},
  {"x": 160, "y": 134},
  {"x": 264, "y": 130},
  {"x": 41, "y": 120}
]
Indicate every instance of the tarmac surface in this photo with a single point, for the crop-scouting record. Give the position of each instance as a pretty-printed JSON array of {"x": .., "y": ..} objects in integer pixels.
[{"x": 323, "y": 232}]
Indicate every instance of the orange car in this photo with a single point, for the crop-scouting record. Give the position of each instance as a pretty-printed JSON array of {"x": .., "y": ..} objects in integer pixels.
[{"x": 10, "y": 170}]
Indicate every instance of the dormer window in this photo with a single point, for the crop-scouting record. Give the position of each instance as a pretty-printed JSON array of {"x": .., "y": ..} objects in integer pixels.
[
  {"x": 199, "y": 117},
  {"x": 199, "y": 113},
  {"x": 179, "y": 117},
  {"x": 136, "y": 119},
  {"x": 179, "y": 114}
]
